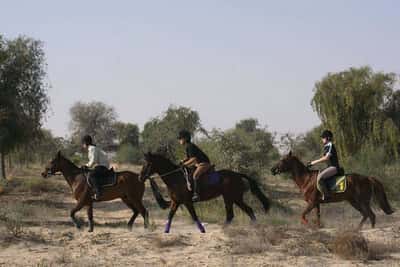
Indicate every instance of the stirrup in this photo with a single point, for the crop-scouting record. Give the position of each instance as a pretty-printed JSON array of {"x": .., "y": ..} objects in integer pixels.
[{"x": 195, "y": 197}]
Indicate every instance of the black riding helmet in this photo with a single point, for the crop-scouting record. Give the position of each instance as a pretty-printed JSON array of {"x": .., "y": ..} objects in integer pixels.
[
  {"x": 184, "y": 134},
  {"x": 327, "y": 134},
  {"x": 87, "y": 140}
]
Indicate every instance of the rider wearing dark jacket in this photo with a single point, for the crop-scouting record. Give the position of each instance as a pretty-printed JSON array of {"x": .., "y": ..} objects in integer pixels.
[
  {"x": 194, "y": 157},
  {"x": 330, "y": 156}
]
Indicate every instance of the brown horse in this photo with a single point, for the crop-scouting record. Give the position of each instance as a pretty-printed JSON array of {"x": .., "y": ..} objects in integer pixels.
[
  {"x": 230, "y": 186},
  {"x": 128, "y": 188},
  {"x": 358, "y": 193}
]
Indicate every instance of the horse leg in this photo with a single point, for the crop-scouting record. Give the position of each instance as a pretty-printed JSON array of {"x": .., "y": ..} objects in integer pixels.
[
  {"x": 192, "y": 212},
  {"x": 370, "y": 213},
  {"x": 318, "y": 215},
  {"x": 357, "y": 206},
  {"x": 135, "y": 212},
  {"x": 246, "y": 208},
  {"x": 77, "y": 208},
  {"x": 142, "y": 210},
  {"x": 172, "y": 211},
  {"x": 90, "y": 217},
  {"x": 310, "y": 207},
  {"x": 229, "y": 210}
]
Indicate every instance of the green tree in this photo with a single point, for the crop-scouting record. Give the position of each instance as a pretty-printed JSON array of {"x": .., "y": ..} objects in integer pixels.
[
  {"x": 127, "y": 133},
  {"x": 160, "y": 134},
  {"x": 246, "y": 148},
  {"x": 351, "y": 102},
  {"x": 96, "y": 119},
  {"x": 23, "y": 93}
]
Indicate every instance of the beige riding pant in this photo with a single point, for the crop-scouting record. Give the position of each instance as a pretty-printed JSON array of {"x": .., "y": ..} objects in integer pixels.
[{"x": 201, "y": 168}]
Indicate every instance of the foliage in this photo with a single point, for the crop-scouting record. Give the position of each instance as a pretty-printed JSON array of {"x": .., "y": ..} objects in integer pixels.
[
  {"x": 246, "y": 148},
  {"x": 351, "y": 103},
  {"x": 160, "y": 133},
  {"x": 96, "y": 119},
  {"x": 23, "y": 92},
  {"x": 127, "y": 153},
  {"x": 127, "y": 133}
]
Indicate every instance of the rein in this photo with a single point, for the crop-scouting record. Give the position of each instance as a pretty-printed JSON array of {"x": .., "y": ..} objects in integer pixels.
[{"x": 166, "y": 174}]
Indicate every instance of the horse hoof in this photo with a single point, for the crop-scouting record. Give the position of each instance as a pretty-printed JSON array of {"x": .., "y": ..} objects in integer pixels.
[{"x": 90, "y": 231}]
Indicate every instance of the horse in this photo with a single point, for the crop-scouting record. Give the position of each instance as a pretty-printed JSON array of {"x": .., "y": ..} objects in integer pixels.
[
  {"x": 128, "y": 188},
  {"x": 359, "y": 192},
  {"x": 230, "y": 186}
]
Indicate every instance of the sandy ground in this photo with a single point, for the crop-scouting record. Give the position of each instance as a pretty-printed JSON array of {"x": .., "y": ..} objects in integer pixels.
[{"x": 49, "y": 239}]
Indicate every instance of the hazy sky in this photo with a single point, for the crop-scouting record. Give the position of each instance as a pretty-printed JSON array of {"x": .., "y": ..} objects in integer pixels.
[{"x": 226, "y": 59}]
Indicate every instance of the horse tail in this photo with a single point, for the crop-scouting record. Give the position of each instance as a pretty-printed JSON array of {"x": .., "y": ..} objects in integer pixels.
[
  {"x": 380, "y": 195},
  {"x": 158, "y": 196},
  {"x": 255, "y": 190}
]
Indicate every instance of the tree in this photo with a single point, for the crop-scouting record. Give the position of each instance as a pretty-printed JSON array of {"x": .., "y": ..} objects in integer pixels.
[
  {"x": 23, "y": 93},
  {"x": 160, "y": 134},
  {"x": 246, "y": 148},
  {"x": 96, "y": 119},
  {"x": 127, "y": 133},
  {"x": 350, "y": 103}
]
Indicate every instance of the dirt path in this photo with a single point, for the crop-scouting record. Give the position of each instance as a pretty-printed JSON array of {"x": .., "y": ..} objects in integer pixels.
[{"x": 48, "y": 238}]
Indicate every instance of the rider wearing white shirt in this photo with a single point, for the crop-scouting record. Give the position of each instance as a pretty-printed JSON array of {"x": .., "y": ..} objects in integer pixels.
[{"x": 97, "y": 160}]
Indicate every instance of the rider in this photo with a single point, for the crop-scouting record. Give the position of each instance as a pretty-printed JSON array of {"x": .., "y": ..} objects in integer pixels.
[
  {"x": 194, "y": 157},
  {"x": 330, "y": 156},
  {"x": 97, "y": 160}
]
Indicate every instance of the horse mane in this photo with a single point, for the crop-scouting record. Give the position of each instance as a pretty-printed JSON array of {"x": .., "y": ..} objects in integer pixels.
[
  {"x": 62, "y": 157},
  {"x": 161, "y": 157}
]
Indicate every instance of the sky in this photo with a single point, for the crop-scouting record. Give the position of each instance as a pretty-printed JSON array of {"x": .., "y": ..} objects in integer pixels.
[{"x": 228, "y": 60}]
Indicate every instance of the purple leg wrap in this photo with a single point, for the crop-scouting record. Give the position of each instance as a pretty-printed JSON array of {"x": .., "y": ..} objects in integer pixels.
[
  {"x": 200, "y": 226},
  {"x": 167, "y": 226}
]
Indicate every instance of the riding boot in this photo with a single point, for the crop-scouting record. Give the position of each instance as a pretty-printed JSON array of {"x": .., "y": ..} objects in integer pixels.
[
  {"x": 195, "y": 191},
  {"x": 324, "y": 190},
  {"x": 96, "y": 187}
]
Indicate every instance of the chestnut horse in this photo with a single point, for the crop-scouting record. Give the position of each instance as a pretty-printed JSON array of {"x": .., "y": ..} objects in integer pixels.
[
  {"x": 128, "y": 188},
  {"x": 359, "y": 192},
  {"x": 230, "y": 186}
]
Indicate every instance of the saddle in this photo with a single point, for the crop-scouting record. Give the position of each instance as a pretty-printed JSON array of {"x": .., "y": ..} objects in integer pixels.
[
  {"x": 106, "y": 179},
  {"x": 336, "y": 183},
  {"x": 210, "y": 177}
]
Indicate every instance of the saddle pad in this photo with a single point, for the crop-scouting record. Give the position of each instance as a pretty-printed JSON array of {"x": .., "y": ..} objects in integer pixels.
[
  {"x": 107, "y": 181},
  {"x": 337, "y": 184},
  {"x": 211, "y": 178}
]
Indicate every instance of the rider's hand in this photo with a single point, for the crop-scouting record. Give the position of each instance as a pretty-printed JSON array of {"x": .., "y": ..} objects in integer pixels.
[
  {"x": 309, "y": 164},
  {"x": 85, "y": 168}
]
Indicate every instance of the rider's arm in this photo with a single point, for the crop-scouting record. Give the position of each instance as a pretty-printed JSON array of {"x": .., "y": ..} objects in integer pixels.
[
  {"x": 91, "y": 156},
  {"x": 190, "y": 161},
  {"x": 323, "y": 159}
]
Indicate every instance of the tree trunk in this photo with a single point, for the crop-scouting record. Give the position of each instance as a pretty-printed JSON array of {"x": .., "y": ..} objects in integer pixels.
[{"x": 3, "y": 165}]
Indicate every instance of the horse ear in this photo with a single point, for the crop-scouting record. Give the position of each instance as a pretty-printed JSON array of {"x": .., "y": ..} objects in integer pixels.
[
  {"x": 290, "y": 153},
  {"x": 59, "y": 154}
]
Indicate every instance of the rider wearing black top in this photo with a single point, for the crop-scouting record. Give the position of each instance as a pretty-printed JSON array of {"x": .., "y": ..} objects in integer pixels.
[
  {"x": 330, "y": 156},
  {"x": 194, "y": 157}
]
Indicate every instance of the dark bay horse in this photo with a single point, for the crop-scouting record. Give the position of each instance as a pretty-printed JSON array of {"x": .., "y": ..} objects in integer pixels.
[
  {"x": 359, "y": 192},
  {"x": 230, "y": 186},
  {"x": 128, "y": 188}
]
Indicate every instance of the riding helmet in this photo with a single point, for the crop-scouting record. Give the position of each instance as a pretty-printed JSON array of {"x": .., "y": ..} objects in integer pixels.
[
  {"x": 184, "y": 134},
  {"x": 327, "y": 134},
  {"x": 87, "y": 140}
]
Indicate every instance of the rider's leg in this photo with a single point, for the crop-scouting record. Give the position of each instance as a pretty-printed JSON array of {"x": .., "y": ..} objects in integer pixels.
[
  {"x": 321, "y": 180},
  {"x": 200, "y": 170},
  {"x": 94, "y": 177}
]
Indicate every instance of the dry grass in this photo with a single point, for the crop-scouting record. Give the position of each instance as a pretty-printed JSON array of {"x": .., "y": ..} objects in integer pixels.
[
  {"x": 166, "y": 241},
  {"x": 351, "y": 245},
  {"x": 306, "y": 243},
  {"x": 254, "y": 239}
]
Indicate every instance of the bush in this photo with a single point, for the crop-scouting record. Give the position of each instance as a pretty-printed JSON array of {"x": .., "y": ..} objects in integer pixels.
[{"x": 351, "y": 246}]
